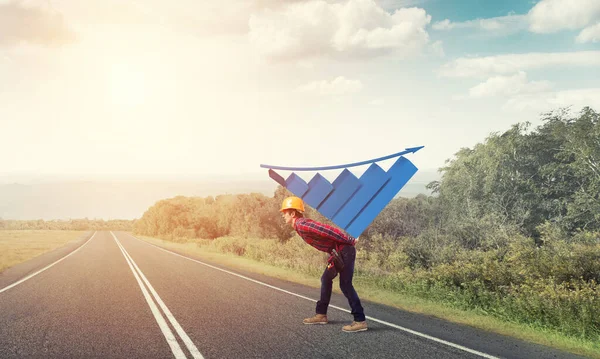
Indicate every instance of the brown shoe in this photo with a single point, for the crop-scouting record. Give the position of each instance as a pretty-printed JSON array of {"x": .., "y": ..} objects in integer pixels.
[
  {"x": 355, "y": 327},
  {"x": 317, "y": 319}
]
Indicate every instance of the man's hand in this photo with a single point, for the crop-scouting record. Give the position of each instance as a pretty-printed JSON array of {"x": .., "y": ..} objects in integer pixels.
[{"x": 330, "y": 262}]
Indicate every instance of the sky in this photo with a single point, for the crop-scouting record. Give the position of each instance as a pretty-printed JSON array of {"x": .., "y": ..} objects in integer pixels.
[{"x": 211, "y": 88}]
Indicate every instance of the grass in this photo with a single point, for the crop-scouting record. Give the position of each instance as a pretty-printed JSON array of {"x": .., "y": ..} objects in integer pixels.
[
  {"x": 371, "y": 292},
  {"x": 17, "y": 246}
]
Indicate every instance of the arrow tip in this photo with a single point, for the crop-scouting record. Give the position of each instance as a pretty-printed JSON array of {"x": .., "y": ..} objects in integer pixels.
[{"x": 414, "y": 149}]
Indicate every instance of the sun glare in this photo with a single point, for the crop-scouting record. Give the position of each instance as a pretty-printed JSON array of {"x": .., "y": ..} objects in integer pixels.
[{"x": 128, "y": 85}]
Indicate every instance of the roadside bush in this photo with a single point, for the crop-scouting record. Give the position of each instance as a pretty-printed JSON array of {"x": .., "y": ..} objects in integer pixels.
[{"x": 294, "y": 254}]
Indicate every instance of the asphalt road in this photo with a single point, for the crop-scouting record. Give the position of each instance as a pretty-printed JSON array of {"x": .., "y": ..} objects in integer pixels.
[{"x": 115, "y": 296}]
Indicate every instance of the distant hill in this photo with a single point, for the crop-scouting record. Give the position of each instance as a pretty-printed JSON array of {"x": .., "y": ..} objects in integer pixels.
[{"x": 129, "y": 199}]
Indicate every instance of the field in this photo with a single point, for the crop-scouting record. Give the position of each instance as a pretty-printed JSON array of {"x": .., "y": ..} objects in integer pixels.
[{"x": 19, "y": 246}]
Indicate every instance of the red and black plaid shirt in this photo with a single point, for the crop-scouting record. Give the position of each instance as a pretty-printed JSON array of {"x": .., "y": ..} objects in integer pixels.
[{"x": 321, "y": 236}]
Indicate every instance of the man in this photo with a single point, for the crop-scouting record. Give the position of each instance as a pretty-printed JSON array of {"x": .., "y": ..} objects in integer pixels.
[{"x": 327, "y": 238}]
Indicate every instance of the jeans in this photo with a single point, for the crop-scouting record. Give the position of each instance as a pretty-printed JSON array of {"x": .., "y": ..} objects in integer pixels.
[{"x": 348, "y": 254}]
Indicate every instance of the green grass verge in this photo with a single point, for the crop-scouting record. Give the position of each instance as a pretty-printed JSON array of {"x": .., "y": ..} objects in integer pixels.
[{"x": 370, "y": 292}]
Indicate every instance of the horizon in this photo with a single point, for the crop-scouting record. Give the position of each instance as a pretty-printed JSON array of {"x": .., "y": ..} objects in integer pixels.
[
  {"x": 110, "y": 200},
  {"x": 31, "y": 178}
]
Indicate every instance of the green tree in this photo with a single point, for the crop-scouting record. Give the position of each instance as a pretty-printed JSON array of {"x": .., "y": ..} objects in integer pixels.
[{"x": 523, "y": 178}]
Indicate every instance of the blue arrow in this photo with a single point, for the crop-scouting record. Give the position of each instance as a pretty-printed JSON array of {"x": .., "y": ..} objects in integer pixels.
[{"x": 408, "y": 150}]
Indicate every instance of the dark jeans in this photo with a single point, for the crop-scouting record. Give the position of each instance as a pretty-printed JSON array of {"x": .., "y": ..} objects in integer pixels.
[{"x": 348, "y": 254}]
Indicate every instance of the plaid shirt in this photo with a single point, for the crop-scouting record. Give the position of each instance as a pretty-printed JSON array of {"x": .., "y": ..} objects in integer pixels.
[{"x": 321, "y": 236}]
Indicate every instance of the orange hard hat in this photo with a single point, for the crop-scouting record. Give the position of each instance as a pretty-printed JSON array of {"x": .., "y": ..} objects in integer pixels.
[{"x": 292, "y": 203}]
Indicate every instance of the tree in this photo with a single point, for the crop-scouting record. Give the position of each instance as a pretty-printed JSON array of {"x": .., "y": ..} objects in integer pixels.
[
  {"x": 579, "y": 175},
  {"x": 524, "y": 178}
]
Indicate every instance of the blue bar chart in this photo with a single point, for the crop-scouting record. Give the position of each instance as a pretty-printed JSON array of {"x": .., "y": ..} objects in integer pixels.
[{"x": 351, "y": 203}]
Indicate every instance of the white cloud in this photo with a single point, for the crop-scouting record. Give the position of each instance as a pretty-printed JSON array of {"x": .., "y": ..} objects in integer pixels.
[
  {"x": 513, "y": 63},
  {"x": 444, "y": 25},
  {"x": 541, "y": 102},
  {"x": 338, "y": 86},
  {"x": 437, "y": 48},
  {"x": 206, "y": 18},
  {"x": 497, "y": 25},
  {"x": 22, "y": 23},
  {"x": 589, "y": 34},
  {"x": 508, "y": 86},
  {"x": 390, "y": 5},
  {"x": 553, "y": 15},
  {"x": 357, "y": 28}
]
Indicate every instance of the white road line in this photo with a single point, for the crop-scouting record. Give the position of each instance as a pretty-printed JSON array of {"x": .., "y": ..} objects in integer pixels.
[
  {"x": 164, "y": 327},
  {"x": 46, "y": 267},
  {"x": 186, "y": 339},
  {"x": 457, "y": 346}
]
